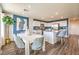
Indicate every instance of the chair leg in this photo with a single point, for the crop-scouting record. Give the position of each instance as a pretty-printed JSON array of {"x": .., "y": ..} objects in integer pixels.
[
  {"x": 62, "y": 41},
  {"x": 36, "y": 52}
]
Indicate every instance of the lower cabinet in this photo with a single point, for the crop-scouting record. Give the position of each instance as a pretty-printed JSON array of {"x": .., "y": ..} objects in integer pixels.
[{"x": 50, "y": 37}]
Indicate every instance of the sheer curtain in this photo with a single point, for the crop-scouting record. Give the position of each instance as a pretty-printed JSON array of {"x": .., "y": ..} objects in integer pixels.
[{"x": 1, "y": 29}]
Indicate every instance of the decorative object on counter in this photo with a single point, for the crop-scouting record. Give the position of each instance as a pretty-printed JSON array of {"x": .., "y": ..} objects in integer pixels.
[
  {"x": 8, "y": 21},
  {"x": 36, "y": 28},
  {"x": 48, "y": 28},
  {"x": 56, "y": 26},
  {"x": 63, "y": 27}
]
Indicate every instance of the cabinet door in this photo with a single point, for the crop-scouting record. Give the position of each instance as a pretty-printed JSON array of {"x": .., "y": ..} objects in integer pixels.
[
  {"x": 46, "y": 36},
  {"x": 36, "y": 23},
  {"x": 49, "y": 37}
]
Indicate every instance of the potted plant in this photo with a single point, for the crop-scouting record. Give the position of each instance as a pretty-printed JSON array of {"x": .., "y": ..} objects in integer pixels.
[{"x": 8, "y": 21}]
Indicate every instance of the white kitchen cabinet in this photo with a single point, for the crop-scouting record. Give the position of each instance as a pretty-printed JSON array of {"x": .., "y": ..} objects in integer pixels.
[{"x": 36, "y": 23}]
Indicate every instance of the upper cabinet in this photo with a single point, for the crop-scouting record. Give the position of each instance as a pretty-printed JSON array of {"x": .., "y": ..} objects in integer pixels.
[{"x": 36, "y": 23}]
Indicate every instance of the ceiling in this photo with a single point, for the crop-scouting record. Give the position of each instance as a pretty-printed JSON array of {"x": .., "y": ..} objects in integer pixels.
[{"x": 43, "y": 11}]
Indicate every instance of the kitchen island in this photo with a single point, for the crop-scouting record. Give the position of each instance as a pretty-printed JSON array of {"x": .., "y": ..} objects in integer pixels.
[{"x": 50, "y": 37}]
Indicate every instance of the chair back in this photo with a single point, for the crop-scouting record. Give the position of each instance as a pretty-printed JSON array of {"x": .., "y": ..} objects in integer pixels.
[
  {"x": 38, "y": 43},
  {"x": 62, "y": 33},
  {"x": 19, "y": 42}
]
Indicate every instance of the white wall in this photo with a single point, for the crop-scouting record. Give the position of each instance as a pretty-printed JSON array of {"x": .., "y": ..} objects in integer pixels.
[
  {"x": 74, "y": 26},
  {"x": 0, "y": 24},
  {"x": 36, "y": 23},
  {"x": 0, "y": 27},
  {"x": 31, "y": 24},
  {"x": 75, "y": 29},
  {"x": 1, "y": 31}
]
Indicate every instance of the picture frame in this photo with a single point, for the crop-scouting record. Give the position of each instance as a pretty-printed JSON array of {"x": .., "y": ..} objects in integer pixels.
[{"x": 21, "y": 24}]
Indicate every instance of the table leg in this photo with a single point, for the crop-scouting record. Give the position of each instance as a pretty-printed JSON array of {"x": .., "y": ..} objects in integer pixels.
[
  {"x": 27, "y": 52},
  {"x": 43, "y": 48}
]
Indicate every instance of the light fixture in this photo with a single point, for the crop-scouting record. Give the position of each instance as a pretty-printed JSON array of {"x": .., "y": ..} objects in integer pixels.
[
  {"x": 62, "y": 17},
  {"x": 56, "y": 13},
  {"x": 42, "y": 17},
  {"x": 29, "y": 6},
  {"x": 51, "y": 16}
]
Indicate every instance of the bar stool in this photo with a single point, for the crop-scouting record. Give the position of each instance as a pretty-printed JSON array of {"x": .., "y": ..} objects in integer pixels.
[{"x": 61, "y": 35}]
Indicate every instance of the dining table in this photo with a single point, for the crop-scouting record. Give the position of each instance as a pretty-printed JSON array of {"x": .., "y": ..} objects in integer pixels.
[{"x": 28, "y": 39}]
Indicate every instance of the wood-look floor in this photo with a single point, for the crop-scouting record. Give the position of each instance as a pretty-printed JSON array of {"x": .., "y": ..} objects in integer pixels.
[
  {"x": 69, "y": 47},
  {"x": 12, "y": 49}
]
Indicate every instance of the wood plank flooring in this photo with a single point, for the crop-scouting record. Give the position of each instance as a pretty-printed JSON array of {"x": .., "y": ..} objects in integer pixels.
[
  {"x": 70, "y": 47},
  {"x": 12, "y": 49}
]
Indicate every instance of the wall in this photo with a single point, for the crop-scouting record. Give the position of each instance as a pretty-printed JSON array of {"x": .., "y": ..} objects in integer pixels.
[
  {"x": 0, "y": 24},
  {"x": 1, "y": 32},
  {"x": 74, "y": 26},
  {"x": 31, "y": 24}
]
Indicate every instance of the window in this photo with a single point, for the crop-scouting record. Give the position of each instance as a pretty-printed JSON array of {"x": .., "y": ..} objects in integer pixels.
[{"x": 1, "y": 26}]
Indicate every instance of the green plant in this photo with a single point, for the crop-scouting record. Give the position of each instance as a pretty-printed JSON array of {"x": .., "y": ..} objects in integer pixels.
[{"x": 8, "y": 20}]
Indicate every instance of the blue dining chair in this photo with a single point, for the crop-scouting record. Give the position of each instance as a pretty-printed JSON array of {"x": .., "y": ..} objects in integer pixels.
[
  {"x": 20, "y": 44},
  {"x": 62, "y": 35},
  {"x": 37, "y": 44}
]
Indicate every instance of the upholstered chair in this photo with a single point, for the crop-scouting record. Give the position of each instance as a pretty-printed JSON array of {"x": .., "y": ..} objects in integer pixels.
[{"x": 37, "y": 44}]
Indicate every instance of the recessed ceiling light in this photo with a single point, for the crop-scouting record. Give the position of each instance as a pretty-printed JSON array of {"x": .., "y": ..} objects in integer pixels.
[
  {"x": 56, "y": 13},
  {"x": 62, "y": 17},
  {"x": 42, "y": 18},
  {"x": 29, "y": 6},
  {"x": 51, "y": 16}
]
